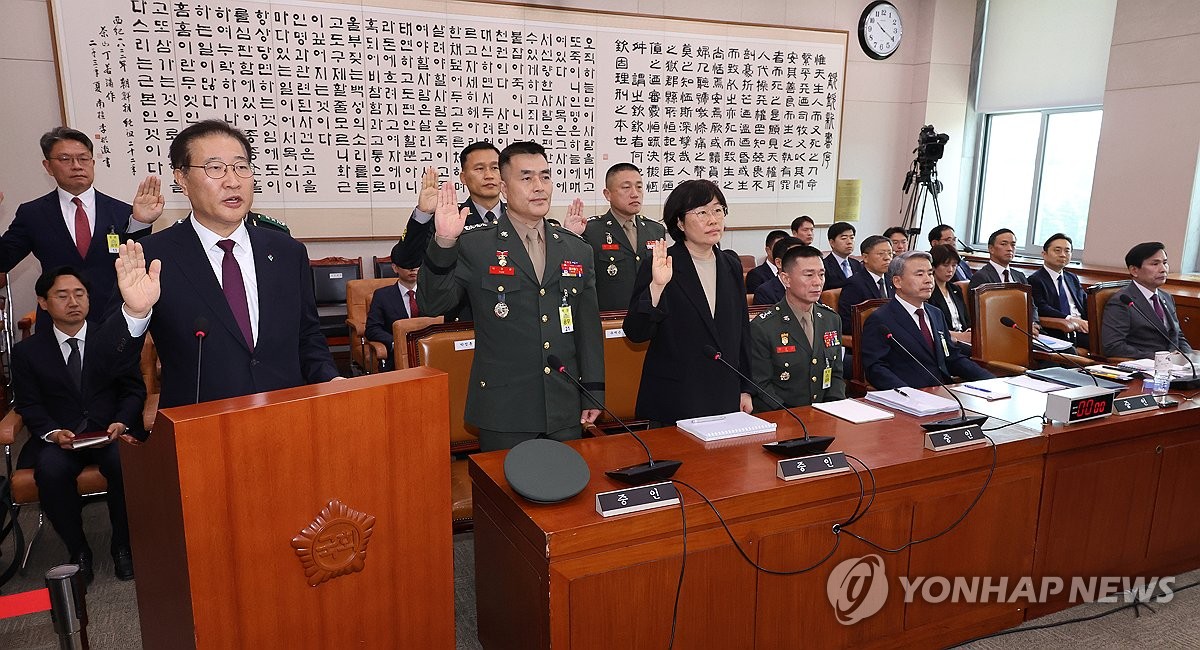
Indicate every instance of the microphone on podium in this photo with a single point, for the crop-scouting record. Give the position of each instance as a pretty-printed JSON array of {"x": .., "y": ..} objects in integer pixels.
[
  {"x": 200, "y": 325},
  {"x": 963, "y": 420},
  {"x": 1008, "y": 322},
  {"x": 806, "y": 446},
  {"x": 650, "y": 471}
]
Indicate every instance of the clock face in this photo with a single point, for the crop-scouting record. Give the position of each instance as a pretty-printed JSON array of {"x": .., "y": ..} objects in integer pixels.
[{"x": 880, "y": 30}]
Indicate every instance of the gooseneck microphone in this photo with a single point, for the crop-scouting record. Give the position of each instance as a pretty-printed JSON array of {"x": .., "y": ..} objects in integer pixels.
[
  {"x": 1171, "y": 342},
  {"x": 806, "y": 446},
  {"x": 1008, "y": 322},
  {"x": 650, "y": 471},
  {"x": 200, "y": 325},
  {"x": 963, "y": 420}
]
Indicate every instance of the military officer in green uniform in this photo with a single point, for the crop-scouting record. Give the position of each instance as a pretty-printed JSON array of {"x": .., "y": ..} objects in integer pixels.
[
  {"x": 620, "y": 237},
  {"x": 532, "y": 290},
  {"x": 796, "y": 346}
]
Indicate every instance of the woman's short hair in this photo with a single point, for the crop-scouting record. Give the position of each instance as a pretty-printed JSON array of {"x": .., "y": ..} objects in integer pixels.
[
  {"x": 688, "y": 196},
  {"x": 943, "y": 253}
]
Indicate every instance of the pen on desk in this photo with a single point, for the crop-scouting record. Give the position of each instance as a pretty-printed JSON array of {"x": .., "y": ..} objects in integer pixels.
[
  {"x": 900, "y": 391},
  {"x": 711, "y": 418},
  {"x": 982, "y": 390}
]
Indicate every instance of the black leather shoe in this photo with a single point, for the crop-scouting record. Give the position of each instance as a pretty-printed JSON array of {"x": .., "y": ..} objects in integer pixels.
[
  {"x": 84, "y": 560},
  {"x": 123, "y": 563}
]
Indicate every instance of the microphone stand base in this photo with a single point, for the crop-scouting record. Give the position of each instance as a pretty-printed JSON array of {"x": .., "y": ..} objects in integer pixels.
[
  {"x": 660, "y": 470},
  {"x": 954, "y": 423},
  {"x": 797, "y": 447}
]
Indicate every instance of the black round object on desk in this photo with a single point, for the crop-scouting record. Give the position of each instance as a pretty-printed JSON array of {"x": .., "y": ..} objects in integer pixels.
[{"x": 545, "y": 471}]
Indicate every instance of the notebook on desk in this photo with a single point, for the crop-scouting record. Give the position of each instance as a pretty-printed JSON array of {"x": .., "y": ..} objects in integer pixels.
[{"x": 1072, "y": 377}]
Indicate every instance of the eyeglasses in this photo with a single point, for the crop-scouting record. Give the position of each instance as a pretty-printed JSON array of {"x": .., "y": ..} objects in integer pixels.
[
  {"x": 216, "y": 169},
  {"x": 84, "y": 159},
  {"x": 704, "y": 214}
]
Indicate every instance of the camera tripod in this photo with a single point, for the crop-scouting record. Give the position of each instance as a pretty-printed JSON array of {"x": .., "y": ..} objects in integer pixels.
[{"x": 927, "y": 185}]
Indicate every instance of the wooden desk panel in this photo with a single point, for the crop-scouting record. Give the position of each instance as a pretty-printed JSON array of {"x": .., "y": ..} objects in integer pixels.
[{"x": 573, "y": 573}]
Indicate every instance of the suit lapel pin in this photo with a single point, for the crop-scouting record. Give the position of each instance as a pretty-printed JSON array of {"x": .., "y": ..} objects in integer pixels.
[
  {"x": 504, "y": 233},
  {"x": 270, "y": 257},
  {"x": 556, "y": 235}
]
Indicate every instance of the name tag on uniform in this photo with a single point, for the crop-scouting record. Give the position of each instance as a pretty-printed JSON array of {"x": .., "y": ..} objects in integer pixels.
[
  {"x": 114, "y": 242},
  {"x": 785, "y": 348},
  {"x": 945, "y": 348},
  {"x": 827, "y": 377},
  {"x": 501, "y": 270},
  {"x": 564, "y": 318},
  {"x": 610, "y": 247}
]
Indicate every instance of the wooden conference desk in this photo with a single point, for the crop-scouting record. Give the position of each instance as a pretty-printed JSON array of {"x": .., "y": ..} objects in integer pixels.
[{"x": 1096, "y": 498}]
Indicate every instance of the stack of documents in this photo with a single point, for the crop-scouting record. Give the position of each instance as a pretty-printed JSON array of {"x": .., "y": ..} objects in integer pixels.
[
  {"x": 1178, "y": 371},
  {"x": 852, "y": 410},
  {"x": 1051, "y": 343},
  {"x": 721, "y": 427},
  {"x": 913, "y": 401}
]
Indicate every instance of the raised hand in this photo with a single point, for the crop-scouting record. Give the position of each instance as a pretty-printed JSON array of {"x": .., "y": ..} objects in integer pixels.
[
  {"x": 448, "y": 220},
  {"x": 427, "y": 200},
  {"x": 660, "y": 267},
  {"x": 575, "y": 221},
  {"x": 139, "y": 285},
  {"x": 148, "y": 202}
]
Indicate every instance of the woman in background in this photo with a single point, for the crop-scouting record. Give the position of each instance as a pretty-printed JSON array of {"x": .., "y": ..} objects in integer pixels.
[
  {"x": 685, "y": 298},
  {"x": 947, "y": 296}
]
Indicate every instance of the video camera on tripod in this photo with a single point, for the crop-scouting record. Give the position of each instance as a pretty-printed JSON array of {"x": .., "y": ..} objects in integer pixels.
[{"x": 931, "y": 146}]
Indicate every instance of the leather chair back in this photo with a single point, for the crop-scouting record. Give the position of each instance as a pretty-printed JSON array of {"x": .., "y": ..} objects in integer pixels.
[
  {"x": 990, "y": 340},
  {"x": 400, "y": 330},
  {"x": 382, "y": 267},
  {"x": 859, "y": 314},
  {"x": 830, "y": 298},
  {"x": 449, "y": 347},
  {"x": 358, "y": 303},
  {"x": 330, "y": 275},
  {"x": 1098, "y": 296},
  {"x": 623, "y": 361}
]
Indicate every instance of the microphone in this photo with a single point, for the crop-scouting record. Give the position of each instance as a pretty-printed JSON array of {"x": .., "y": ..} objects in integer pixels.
[
  {"x": 963, "y": 420},
  {"x": 1008, "y": 322},
  {"x": 1174, "y": 348},
  {"x": 796, "y": 447},
  {"x": 650, "y": 471},
  {"x": 200, "y": 325}
]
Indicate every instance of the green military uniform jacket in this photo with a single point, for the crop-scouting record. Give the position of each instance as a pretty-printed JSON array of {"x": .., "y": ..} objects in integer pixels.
[
  {"x": 785, "y": 365},
  {"x": 517, "y": 324},
  {"x": 617, "y": 258}
]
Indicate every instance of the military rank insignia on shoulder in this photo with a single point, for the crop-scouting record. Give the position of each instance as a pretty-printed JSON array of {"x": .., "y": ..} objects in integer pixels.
[
  {"x": 478, "y": 226},
  {"x": 766, "y": 314},
  {"x": 263, "y": 221}
]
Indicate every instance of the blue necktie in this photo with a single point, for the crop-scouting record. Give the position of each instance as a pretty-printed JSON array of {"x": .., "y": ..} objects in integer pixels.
[
  {"x": 1064, "y": 304},
  {"x": 846, "y": 268}
]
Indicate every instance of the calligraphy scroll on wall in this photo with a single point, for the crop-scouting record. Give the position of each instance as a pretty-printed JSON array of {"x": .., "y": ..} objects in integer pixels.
[{"x": 346, "y": 104}]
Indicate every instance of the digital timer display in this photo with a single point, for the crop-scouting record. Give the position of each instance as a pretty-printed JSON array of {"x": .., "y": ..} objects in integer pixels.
[{"x": 1086, "y": 408}]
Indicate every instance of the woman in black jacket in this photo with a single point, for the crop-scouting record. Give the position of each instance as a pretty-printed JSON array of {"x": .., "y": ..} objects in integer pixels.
[
  {"x": 687, "y": 297},
  {"x": 946, "y": 295}
]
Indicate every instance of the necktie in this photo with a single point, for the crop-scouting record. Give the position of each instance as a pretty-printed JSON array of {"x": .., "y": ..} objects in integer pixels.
[
  {"x": 925, "y": 329},
  {"x": 83, "y": 232},
  {"x": 630, "y": 228},
  {"x": 806, "y": 325},
  {"x": 536, "y": 254},
  {"x": 882, "y": 290},
  {"x": 846, "y": 268},
  {"x": 75, "y": 363},
  {"x": 412, "y": 304},
  {"x": 1158, "y": 309},
  {"x": 489, "y": 217},
  {"x": 234, "y": 289},
  {"x": 1064, "y": 303},
  {"x": 1006, "y": 278}
]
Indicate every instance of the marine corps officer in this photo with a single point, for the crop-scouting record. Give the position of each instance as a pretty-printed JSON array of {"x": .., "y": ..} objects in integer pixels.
[{"x": 796, "y": 346}]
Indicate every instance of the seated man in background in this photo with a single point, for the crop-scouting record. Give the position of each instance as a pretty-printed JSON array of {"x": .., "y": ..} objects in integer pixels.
[
  {"x": 839, "y": 268},
  {"x": 804, "y": 229},
  {"x": 767, "y": 270},
  {"x": 62, "y": 391},
  {"x": 943, "y": 234},
  {"x": 873, "y": 282},
  {"x": 1002, "y": 248},
  {"x": 908, "y": 326},
  {"x": 796, "y": 347},
  {"x": 898, "y": 238},
  {"x": 390, "y": 304},
  {"x": 771, "y": 291},
  {"x": 1057, "y": 292},
  {"x": 620, "y": 237},
  {"x": 1140, "y": 319}
]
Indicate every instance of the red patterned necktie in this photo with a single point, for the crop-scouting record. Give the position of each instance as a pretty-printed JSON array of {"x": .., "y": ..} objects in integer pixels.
[
  {"x": 234, "y": 288},
  {"x": 925, "y": 329},
  {"x": 83, "y": 231},
  {"x": 412, "y": 304}
]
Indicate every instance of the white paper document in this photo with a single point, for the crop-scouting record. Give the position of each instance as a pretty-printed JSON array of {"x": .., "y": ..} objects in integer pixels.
[
  {"x": 730, "y": 425},
  {"x": 852, "y": 410}
]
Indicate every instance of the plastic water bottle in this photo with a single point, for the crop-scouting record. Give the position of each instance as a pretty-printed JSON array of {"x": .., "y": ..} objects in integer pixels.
[{"x": 1161, "y": 382}]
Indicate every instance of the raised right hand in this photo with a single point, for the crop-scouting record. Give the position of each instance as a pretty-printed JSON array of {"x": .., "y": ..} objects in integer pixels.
[
  {"x": 448, "y": 220},
  {"x": 660, "y": 267},
  {"x": 427, "y": 200},
  {"x": 139, "y": 285}
]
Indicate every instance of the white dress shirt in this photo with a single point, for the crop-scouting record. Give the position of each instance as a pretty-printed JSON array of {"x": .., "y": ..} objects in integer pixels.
[
  {"x": 66, "y": 203},
  {"x": 65, "y": 349},
  {"x": 1054, "y": 276}
]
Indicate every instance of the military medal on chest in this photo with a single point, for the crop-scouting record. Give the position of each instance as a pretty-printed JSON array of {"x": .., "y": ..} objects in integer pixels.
[
  {"x": 502, "y": 258},
  {"x": 785, "y": 375},
  {"x": 501, "y": 307},
  {"x": 608, "y": 238},
  {"x": 612, "y": 269}
]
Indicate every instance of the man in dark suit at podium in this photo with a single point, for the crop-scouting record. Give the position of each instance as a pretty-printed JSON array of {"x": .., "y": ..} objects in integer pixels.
[
  {"x": 62, "y": 390},
  {"x": 248, "y": 289},
  {"x": 918, "y": 327},
  {"x": 392, "y": 303},
  {"x": 71, "y": 225}
]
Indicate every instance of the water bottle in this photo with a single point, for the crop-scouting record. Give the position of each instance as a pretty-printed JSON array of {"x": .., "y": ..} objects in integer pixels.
[{"x": 1161, "y": 382}]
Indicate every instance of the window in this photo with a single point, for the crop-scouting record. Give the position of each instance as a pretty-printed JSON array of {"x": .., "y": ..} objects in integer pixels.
[{"x": 1036, "y": 176}]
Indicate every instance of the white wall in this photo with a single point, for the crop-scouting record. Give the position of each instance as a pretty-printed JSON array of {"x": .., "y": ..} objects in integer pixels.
[
  {"x": 1149, "y": 140},
  {"x": 885, "y": 102}
]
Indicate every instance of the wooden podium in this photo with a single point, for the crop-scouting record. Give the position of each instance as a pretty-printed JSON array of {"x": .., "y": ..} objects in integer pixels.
[{"x": 312, "y": 517}]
